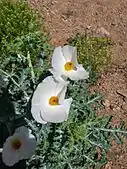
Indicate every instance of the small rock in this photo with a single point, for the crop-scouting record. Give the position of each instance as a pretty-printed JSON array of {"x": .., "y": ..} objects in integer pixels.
[
  {"x": 116, "y": 109},
  {"x": 103, "y": 32},
  {"x": 88, "y": 27},
  {"x": 106, "y": 103}
]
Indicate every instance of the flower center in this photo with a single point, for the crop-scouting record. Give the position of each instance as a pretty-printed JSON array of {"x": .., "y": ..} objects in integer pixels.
[
  {"x": 16, "y": 144},
  {"x": 69, "y": 66},
  {"x": 53, "y": 101}
]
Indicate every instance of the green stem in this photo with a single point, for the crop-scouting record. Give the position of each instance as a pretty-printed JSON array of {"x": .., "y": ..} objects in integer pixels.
[
  {"x": 94, "y": 143},
  {"x": 89, "y": 159},
  {"x": 93, "y": 100},
  {"x": 4, "y": 73},
  {"x": 110, "y": 130},
  {"x": 69, "y": 165},
  {"x": 31, "y": 67}
]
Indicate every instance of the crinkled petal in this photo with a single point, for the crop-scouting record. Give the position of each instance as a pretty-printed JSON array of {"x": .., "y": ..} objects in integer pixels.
[
  {"x": 36, "y": 113},
  {"x": 37, "y": 92},
  {"x": 40, "y": 90},
  {"x": 67, "y": 104},
  {"x": 74, "y": 57},
  {"x": 58, "y": 60},
  {"x": 54, "y": 114},
  {"x": 9, "y": 156},
  {"x": 43, "y": 92},
  {"x": 46, "y": 87},
  {"x": 28, "y": 148},
  {"x": 59, "y": 77},
  {"x": 23, "y": 130},
  {"x": 60, "y": 88},
  {"x": 62, "y": 94},
  {"x": 35, "y": 103},
  {"x": 54, "y": 89},
  {"x": 49, "y": 79},
  {"x": 68, "y": 52},
  {"x": 78, "y": 74},
  {"x": 57, "y": 114}
]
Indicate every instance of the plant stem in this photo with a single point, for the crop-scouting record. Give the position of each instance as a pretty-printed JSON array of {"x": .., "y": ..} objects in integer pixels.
[
  {"x": 4, "y": 73},
  {"x": 110, "y": 130},
  {"x": 31, "y": 67},
  {"x": 94, "y": 143},
  {"x": 93, "y": 100},
  {"x": 89, "y": 159},
  {"x": 69, "y": 165}
]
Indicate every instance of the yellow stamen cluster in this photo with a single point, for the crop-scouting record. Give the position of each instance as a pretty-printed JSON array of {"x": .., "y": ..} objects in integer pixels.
[
  {"x": 69, "y": 66},
  {"x": 16, "y": 144},
  {"x": 54, "y": 100}
]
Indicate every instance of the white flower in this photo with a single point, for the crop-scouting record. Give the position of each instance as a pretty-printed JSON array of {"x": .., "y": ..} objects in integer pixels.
[
  {"x": 64, "y": 63},
  {"x": 48, "y": 103},
  {"x": 21, "y": 145}
]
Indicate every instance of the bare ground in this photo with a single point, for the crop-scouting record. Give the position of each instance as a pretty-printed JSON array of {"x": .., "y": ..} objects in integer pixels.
[{"x": 63, "y": 19}]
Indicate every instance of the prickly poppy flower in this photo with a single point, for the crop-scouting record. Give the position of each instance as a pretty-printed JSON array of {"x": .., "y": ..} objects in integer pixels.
[
  {"x": 65, "y": 64},
  {"x": 21, "y": 145},
  {"x": 49, "y": 103}
]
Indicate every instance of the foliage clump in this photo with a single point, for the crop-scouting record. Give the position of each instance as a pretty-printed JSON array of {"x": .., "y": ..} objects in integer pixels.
[
  {"x": 19, "y": 33},
  {"x": 94, "y": 52}
]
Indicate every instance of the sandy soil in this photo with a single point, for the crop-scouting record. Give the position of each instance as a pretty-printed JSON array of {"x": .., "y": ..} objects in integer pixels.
[{"x": 63, "y": 19}]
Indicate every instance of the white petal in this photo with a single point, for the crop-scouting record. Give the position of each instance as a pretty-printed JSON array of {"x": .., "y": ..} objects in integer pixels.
[
  {"x": 57, "y": 114},
  {"x": 23, "y": 130},
  {"x": 74, "y": 57},
  {"x": 35, "y": 110},
  {"x": 67, "y": 105},
  {"x": 35, "y": 104},
  {"x": 58, "y": 60},
  {"x": 78, "y": 74},
  {"x": 9, "y": 156},
  {"x": 54, "y": 89},
  {"x": 49, "y": 79},
  {"x": 1, "y": 149},
  {"x": 29, "y": 147},
  {"x": 58, "y": 77},
  {"x": 68, "y": 52},
  {"x": 47, "y": 84},
  {"x": 62, "y": 94},
  {"x": 42, "y": 94},
  {"x": 36, "y": 95},
  {"x": 54, "y": 114},
  {"x": 60, "y": 88}
]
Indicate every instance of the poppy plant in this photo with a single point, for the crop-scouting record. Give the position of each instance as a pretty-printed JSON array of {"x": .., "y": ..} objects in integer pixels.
[
  {"x": 21, "y": 145},
  {"x": 49, "y": 103},
  {"x": 65, "y": 64}
]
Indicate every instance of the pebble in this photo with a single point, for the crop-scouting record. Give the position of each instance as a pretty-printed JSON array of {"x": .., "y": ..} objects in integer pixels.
[
  {"x": 106, "y": 103},
  {"x": 103, "y": 31}
]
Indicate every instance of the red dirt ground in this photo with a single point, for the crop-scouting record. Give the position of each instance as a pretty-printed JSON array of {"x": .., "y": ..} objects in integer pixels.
[{"x": 63, "y": 19}]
